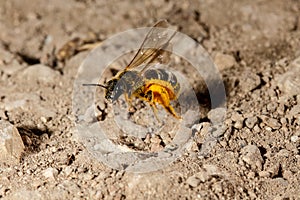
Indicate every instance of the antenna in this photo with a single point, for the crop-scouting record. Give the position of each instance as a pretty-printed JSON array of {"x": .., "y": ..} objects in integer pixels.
[{"x": 94, "y": 84}]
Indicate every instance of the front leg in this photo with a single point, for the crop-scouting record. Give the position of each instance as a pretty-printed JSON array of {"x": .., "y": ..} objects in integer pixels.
[{"x": 128, "y": 99}]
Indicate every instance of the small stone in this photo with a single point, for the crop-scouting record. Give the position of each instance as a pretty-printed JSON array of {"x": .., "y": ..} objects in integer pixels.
[
  {"x": 217, "y": 187},
  {"x": 281, "y": 109},
  {"x": 287, "y": 174},
  {"x": 283, "y": 121},
  {"x": 23, "y": 193},
  {"x": 53, "y": 149},
  {"x": 267, "y": 128},
  {"x": 218, "y": 131},
  {"x": 212, "y": 170},
  {"x": 283, "y": 153},
  {"x": 250, "y": 175},
  {"x": 271, "y": 122},
  {"x": 11, "y": 144},
  {"x": 298, "y": 98},
  {"x": 238, "y": 124},
  {"x": 205, "y": 129},
  {"x": 249, "y": 81},
  {"x": 11, "y": 65},
  {"x": 193, "y": 181},
  {"x": 50, "y": 173},
  {"x": 289, "y": 82},
  {"x": 256, "y": 129},
  {"x": 155, "y": 144},
  {"x": 40, "y": 73},
  {"x": 251, "y": 155},
  {"x": 224, "y": 61},
  {"x": 251, "y": 122},
  {"x": 235, "y": 116},
  {"x": 155, "y": 139},
  {"x": 203, "y": 176},
  {"x": 294, "y": 111},
  {"x": 89, "y": 115},
  {"x": 196, "y": 127},
  {"x": 294, "y": 138},
  {"x": 88, "y": 176},
  {"x": 252, "y": 194},
  {"x": 2, "y": 115},
  {"x": 68, "y": 170},
  {"x": 15, "y": 104},
  {"x": 45, "y": 119},
  {"x": 264, "y": 174},
  {"x": 271, "y": 107},
  {"x": 217, "y": 115}
]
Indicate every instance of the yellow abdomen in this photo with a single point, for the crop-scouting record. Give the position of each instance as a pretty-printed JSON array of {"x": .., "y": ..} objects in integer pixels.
[{"x": 162, "y": 92}]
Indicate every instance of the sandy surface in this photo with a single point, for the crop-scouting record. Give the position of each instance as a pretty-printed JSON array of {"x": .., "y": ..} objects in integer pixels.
[{"x": 256, "y": 45}]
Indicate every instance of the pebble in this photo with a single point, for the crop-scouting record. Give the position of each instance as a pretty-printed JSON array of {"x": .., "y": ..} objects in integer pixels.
[
  {"x": 68, "y": 170},
  {"x": 235, "y": 116},
  {"x": 217, "y": 115},
  {"x": 5, "y": 55},
  {"x": 288, "y": 175},
  {"x": 204, "y": 175},
  {"x": 89, "y": 115},
  {"x": 289, "y": 82},
  {"x": 251, "y": 122},
  {"x": 14, "y": 104},
  {"x": 11, "y": 144},
  {"x": 251, "y": 155},
  {"x": 271, "y": 122},
  {"x": 271, "y": 107},
  {"x": 294, "y": 138},
  {"x": 40, "y": 73},
  {"x": 24, "y": 194},
  {"x": 238, "y": 124},
  {"x": 224, "y": 61},
  {"x": 193, "y": 181},
  {"x": 283, "y": 153},
  {"x": 298, "y": 99},
  {"x": 264, "y": 174},
  {"x": 256, "y": 129},
  {"x": 2, "y": 115},
  {"x": 50, "y": 173},
  {"x": 281, "y": 109},
  {"x": 294, "y": 111},
  {"x": 212, "y": 170},
  {"x": 196, "y": 127},
  {"x": 217, "y": 187},
  {"x": 249, "y": 81}
]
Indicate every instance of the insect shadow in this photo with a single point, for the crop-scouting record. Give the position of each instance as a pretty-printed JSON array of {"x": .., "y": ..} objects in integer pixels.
[{"x": 210, "y": 99}]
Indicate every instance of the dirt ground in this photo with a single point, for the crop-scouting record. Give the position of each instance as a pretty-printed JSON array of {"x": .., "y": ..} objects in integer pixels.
[{"x": 256, "y": 45}]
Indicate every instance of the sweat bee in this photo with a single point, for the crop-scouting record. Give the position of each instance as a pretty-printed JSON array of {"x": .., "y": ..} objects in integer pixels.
[{"x": 150, "y": 85}]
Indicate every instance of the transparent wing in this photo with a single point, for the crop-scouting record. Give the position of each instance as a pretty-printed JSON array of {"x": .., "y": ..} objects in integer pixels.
[{"x": 155, "y": 48}]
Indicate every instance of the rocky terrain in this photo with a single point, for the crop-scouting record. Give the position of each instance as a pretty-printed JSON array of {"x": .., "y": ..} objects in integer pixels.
[{"x": 254, "y": 44}]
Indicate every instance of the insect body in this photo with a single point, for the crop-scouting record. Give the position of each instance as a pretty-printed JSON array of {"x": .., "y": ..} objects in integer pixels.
[
  {"x": 151, "y": 85},
  {"x": 155, "y": 86},
  {"x": 161, "y": 87}
]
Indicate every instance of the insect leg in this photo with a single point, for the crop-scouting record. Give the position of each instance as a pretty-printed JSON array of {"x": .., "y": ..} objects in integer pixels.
[
  {"x": 128, "y": 100},
  {"x": 149, "y": 97},
  {"x": 164, "y": 100}
]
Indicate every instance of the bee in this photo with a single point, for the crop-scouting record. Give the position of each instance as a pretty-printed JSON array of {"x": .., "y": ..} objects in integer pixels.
[{"x": 155, "y": 86}]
